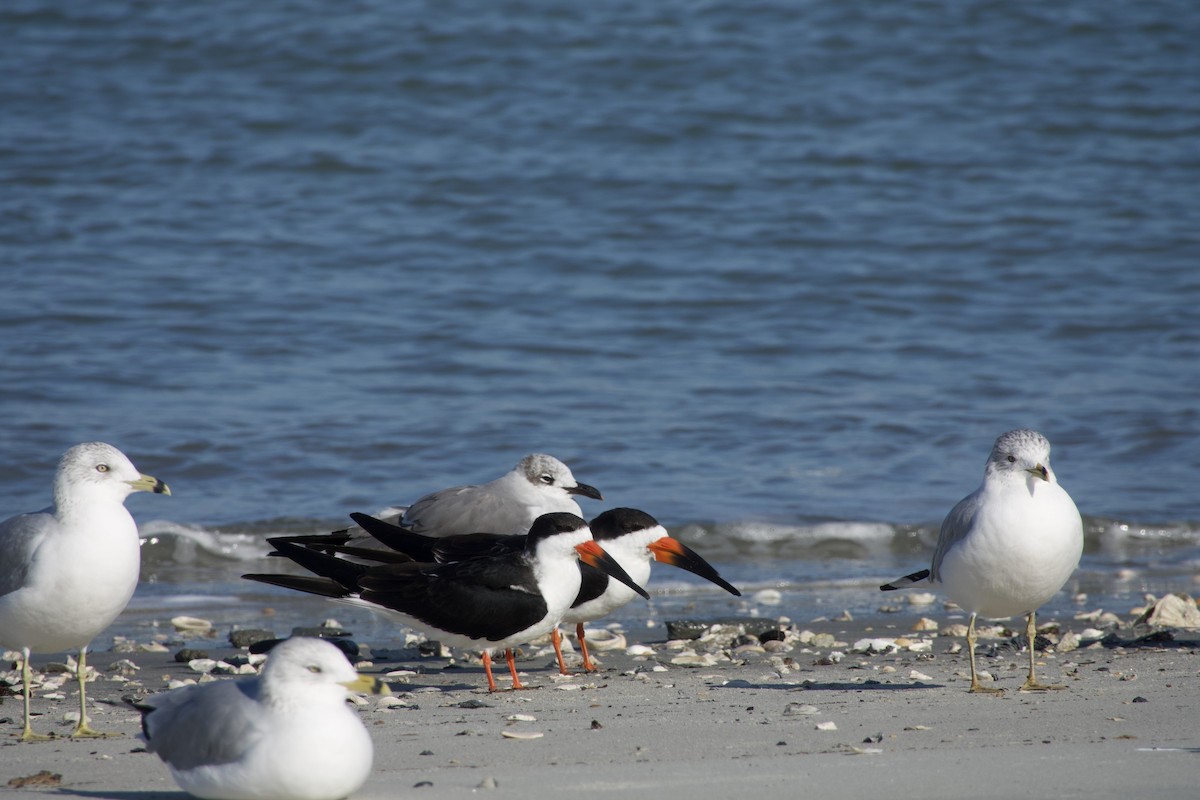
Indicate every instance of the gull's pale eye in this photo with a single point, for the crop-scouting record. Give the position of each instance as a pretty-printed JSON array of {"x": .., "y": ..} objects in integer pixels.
[
  {"x": 102, "y": 468},
  {"x": 548, "y": 479},
  {"x": 314, "y": 669},
  {"x": 1012, "y": 459}
]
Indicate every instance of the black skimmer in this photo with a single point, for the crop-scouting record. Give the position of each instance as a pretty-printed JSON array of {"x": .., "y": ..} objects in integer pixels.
[
  {"x": 539, "y": 484},
  {"x": 632, "y": 537},
  {"x": 489, "y": 602}
]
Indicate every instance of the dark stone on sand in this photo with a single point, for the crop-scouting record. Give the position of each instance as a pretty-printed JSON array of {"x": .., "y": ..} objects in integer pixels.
[
  {"x": 190, "y": 654},
  {"x": 249, "y": 636},
  {"x": 322, "y": 633},
  {"x": 694, "y": 629},
  {"x": 1140, "y": 699},
  {"x": 430, "y": 647}
]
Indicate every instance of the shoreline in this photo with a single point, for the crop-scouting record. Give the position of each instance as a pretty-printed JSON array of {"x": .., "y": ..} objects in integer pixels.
[{"x": 713, "y": 717}]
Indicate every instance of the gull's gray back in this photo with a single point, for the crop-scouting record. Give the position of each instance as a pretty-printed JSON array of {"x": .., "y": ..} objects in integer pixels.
[
  {"x": 20, "y": 537},
  {"x": 212, "y": 723},
  {"x": 955, "y": 526},
  {"x": 467, "y": 509}
]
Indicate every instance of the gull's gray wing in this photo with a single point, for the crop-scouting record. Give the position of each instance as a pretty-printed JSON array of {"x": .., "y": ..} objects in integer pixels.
[
  {"x": 20, "y": 537},
  {"x": 466, "y": 509},
  {"x": 955, "y": 526},
  {"x": 210, "y": 723}
]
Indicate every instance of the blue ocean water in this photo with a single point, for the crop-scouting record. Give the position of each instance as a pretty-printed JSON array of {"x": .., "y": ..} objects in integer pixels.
[{"x": 776, "y": 273}]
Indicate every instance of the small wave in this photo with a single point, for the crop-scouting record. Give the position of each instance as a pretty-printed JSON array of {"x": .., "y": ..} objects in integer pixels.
[{"x": 184, "y": 544}]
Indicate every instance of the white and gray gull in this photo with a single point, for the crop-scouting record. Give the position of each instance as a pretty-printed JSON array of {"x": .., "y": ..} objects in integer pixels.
[
  {"x": 1010, "y": 545},
  {"x": 286, "y": 733},
  {"x": 67, "y": 571},
  {"x": 539, "y": 484}
]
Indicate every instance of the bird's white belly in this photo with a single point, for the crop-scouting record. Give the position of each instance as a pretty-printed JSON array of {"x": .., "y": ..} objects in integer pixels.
[
  {"x": 71, "y": 594},
  {"x": 999, "y": 576},
  {"x": 304, "y": 760}
]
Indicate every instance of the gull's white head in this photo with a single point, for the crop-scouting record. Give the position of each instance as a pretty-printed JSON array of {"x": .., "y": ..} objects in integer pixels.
[
  {"x": 310, "y": 667},
  {"x": 548, "y": 473},
  {"x": 99, "y": 470},
  {"x": 1021, "y": 453}
]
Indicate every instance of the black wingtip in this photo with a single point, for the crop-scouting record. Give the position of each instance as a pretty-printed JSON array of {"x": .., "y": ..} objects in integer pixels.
[{"x": 905, "y": 582}]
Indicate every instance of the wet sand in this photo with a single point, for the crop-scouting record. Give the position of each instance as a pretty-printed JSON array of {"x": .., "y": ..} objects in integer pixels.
[{"x": 717, "y": 718}]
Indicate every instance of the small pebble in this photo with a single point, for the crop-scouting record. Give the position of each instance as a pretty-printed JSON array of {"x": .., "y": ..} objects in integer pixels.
[{"x": 827, "y": 726}]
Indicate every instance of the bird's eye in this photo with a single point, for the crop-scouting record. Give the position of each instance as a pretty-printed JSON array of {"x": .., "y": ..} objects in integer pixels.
[
  {"x": 102, "y": 468},
  {"x": 314, "y": 669},
  {"x": 1012, "y": 459},
  {"x": 547, "y": 479}
]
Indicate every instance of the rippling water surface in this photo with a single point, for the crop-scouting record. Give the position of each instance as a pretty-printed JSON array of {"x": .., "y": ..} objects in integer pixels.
[{"x": 776, "y": 273}]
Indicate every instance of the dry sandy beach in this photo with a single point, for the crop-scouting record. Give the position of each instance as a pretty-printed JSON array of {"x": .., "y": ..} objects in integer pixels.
[{"x": 716, "y": 717}]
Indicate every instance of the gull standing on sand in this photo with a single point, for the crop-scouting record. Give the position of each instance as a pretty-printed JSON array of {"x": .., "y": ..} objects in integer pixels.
[
  {"x": 67, "y": 571},
  {"x": 539, "y": 484},
  {"x": 1010, "y": 545},
  {"x": 287, "y": 733}
]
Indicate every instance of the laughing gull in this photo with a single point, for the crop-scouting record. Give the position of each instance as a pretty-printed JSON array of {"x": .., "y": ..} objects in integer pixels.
[{"x": 539, "y": 484}]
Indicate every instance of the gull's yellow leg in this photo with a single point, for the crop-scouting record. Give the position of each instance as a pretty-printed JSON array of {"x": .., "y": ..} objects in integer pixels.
[
  {"x": 1031, "y": 684},
  {"x": 975, "y": 685},
  {"x": 83, "y": 730},
  {"x": 27, "y": 735}
]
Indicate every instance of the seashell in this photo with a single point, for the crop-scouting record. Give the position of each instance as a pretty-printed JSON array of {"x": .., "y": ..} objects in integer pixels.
[
  {"x": 925, "y": 624},
  {"x": 152, "y": 647},
  {"x": 823, "y": 640},
  {"x": 919, "y": 676},
  {"x": 605, "y": 640},
  {"x": 827, "y": 726},
  {"x": 921, "y": 598},
  {"x": 694, "y": 660},
  {"x": 800, "y": 710},
  {"x": 639, "y": 650},
  {"x": 521, "y": 718},
  {"x": 391, "y": 701},
  {"x": 767, "y": 597},
  {"x": 923, "y": 646},
  {"x": 202, "y": 665},
  {"x": 522, "y": 734},
  {"x": 191, "y": 624}
]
